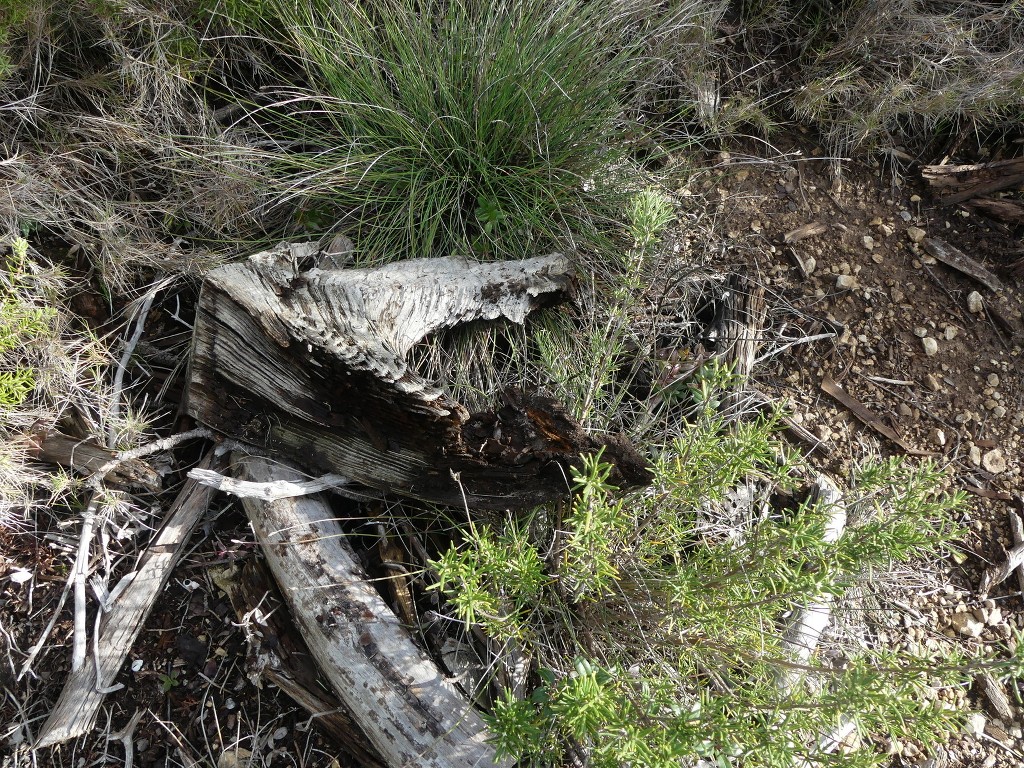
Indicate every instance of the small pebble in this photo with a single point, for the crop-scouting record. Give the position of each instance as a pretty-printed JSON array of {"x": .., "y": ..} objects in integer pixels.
[
  {"x": 975, "y": 303},
  {"x": 994, "y": 461},
  {"x": 993, "y": 379},
  {"x": 931, "y": 346},
  {"x": 846, "y": 282},
  {"x": 916, "y": 234},
  {"x": 951, "y": 332},
  {"x": 868, "y": 241}
]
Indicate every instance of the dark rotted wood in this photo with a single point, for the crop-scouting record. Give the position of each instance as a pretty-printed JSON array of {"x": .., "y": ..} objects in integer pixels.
[
  {"x": 310, "y": 365},
  {"x": 279, "y": 655},
  {"x": 1008, "y": 211},
  {"x": 956, "y": 183}
]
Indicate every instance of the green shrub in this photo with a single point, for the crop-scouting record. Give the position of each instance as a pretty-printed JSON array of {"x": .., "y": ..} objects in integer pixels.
[{"x": 658, "y": 624}]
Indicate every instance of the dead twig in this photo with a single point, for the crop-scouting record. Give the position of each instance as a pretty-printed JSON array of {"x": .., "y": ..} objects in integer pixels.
[
  {"x": 867, "y": 417},
  {"x": 82, "y": 696},
  {"x": 960, "y": 261},
  {"x": 999, "y": 573}
]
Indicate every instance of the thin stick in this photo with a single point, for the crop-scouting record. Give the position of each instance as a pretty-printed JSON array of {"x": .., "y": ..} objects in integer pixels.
[
  {"x": 79, "y": 575},
  {"x": 163, "y": 444},
  {"x": 80, "y": 701},
  {"x": 122, "y": 364}
]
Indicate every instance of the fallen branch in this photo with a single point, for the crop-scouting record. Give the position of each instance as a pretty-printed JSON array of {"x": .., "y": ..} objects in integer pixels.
[
  {"x": 279, "y": 489},
  {"x": 80, "y": 700},
  {"x": 1000, "y": 573},
  {"x": 802, "y": 636},
  {"x": 1009, "y": 211},
  {"x": 956, "y": 183},
  {"x": 1017, "y": 530},
  {"x": 867, "y": 417},
  {"x": 409, "y": 712},
  {"x": 961, "y": 262},
  {"x": 88, "y": 458}
]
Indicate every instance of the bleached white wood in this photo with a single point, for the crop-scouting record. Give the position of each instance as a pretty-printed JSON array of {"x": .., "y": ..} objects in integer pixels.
[
  {"x": 80, "y": 700},
  {"x": 411, "y": 714}
]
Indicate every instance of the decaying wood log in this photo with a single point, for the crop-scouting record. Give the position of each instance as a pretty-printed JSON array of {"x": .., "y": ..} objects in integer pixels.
[
  {"x": 310, "y": 365},
  {"x": 80, "y": 700},
  {"x": 86, "y": 457},
  {"x": 1009, "y": 211},
  {"x": 279, "y": 655},
  {"x": 409, "y": 712},
  {"x": 956, "y": 183}
]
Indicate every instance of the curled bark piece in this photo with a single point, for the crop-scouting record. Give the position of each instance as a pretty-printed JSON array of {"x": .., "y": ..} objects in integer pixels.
[
  {"x": 311, "y": 366},
  {"x": 409, "y": 712}
]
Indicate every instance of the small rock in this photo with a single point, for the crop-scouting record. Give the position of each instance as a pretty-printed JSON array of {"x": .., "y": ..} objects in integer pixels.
[
  {"x": 916, "y": 234},
  {"x": 994, "y": 616},
  {"x": 906, "y": 215},
  {"x": 846, "y": 282},
  {"x": 905, "y": 410},
  {"x": 931, "y": 346},
  {"x": 994, "y": 461},
  {"x": 938, "y": 437},
  {"x": 998, "y": 412},
  {"x": 920, "y": 331},
  {"x": 974, "y": 454},
  {"x": 810, "y": 264},
  {"x": 993, "y": 379},
  {"x": 868, "y": 241},
  {"x": 951, "y": 332},
  {"x": 933, "y": 382},
  {"x": 755, "y": 226},
  {"x": 965, "y": 624},
  {"x": 975, "y": 304},
  {"x": 240, "y": 757},
  {"x": 897, "y": 295}
]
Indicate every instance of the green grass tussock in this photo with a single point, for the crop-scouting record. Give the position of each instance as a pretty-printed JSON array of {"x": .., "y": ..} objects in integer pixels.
[{"x": 487, "y": 128}]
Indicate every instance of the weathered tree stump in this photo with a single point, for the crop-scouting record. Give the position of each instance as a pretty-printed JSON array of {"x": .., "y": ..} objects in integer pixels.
[{"x": 309, "y": 365}]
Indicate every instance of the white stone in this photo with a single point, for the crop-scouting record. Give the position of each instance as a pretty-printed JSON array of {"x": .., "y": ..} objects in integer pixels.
[
  {"x": 975, "y": 725},
  {"x": 975, "y": 304},
  {"x": 869, "y": 242},
  {"x": 974, "y": 454},
  {"x": 993, "y": 379},
  {"x": 965, "y": 624},
  {"x": 916, "y": 234},
  {"x": 951, "y": 332},
  {"x": 931, "y": 346},
  {"x": 994, "y": 461},
  {"x": 846, "y": 282}
]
